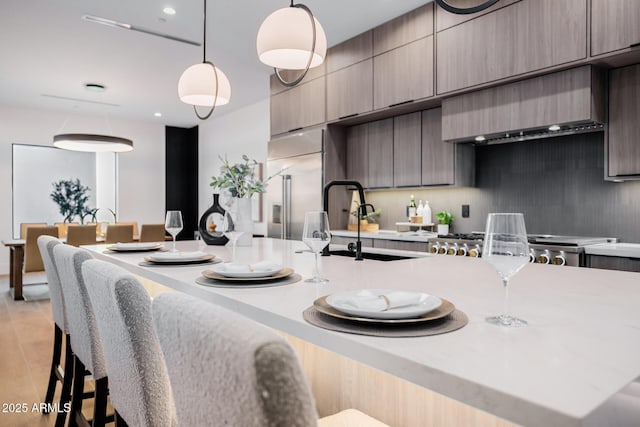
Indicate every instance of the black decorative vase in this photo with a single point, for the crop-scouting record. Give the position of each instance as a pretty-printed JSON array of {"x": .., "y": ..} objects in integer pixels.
[{"x": 210, "y": 226}]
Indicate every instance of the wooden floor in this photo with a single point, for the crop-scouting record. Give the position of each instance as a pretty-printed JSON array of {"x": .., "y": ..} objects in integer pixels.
[{"x": 26, "y": 340}]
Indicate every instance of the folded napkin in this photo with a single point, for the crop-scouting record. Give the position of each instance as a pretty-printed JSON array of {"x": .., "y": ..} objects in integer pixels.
[
  {"x": 172, "y": 256},
  {"x": 236, "y": 267},
  {"x": 374, "y": 302}
]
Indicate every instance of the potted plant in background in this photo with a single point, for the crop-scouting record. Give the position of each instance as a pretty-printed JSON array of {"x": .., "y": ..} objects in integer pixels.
[
  {"x": 241, "y": 181},
  {"x": 71, "y": 198},
  {"x": 444, "y": 220}
]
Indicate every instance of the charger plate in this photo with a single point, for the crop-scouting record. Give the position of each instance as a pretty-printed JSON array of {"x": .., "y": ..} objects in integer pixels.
[
  {"x": 214, "y": 283},
  {"x": 204, "y": 258}
]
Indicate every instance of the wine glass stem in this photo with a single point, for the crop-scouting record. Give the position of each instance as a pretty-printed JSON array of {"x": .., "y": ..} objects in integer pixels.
[
  {"x": 174, "y": 243},
  {"x": 316, "y": 273},
  {"x": 505, "y": 306}
]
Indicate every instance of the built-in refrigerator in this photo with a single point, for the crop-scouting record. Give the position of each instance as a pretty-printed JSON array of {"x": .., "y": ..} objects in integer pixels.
[{"x": 298, "y": 189}]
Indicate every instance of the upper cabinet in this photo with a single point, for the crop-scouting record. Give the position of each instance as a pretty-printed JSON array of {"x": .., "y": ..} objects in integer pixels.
[
  {"x": 623, "y": 139},
  {"x": 407, "y": 150},
  {"x": 380, "y": 152},
  {"x": 358, "y": 154},
  {"x": 404, "y": 29},
  {"x": 446, "y": 19},
  {"x": 615, "y": 25},
  {"x": 298, "y": 107},
  {"x": 522, "y": 37}
]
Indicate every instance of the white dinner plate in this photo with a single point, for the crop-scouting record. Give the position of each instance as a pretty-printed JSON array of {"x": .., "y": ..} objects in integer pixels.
[
  {"x": 136, "y": 246},
  {"x": 237, "y": 270},
  {"x": 177, "y": 256},
  {"x": 425, "y": 303}
]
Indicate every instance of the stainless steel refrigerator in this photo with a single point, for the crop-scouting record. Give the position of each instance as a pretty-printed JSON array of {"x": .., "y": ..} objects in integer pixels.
[{"x": 299, "y": 188}]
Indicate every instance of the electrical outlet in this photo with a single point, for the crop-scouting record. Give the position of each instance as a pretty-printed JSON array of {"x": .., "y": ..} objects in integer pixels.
[{"x": 465, "y": 211}]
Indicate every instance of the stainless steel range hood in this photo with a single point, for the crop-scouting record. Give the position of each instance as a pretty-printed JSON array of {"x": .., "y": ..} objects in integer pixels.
[{"x": 561, "y": 103}]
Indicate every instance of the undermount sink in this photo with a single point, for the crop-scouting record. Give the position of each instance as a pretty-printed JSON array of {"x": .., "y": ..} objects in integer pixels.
[{"x": 369, "y": 255}]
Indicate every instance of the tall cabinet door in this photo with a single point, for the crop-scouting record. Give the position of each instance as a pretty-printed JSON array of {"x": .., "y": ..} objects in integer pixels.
[
  {"x": 349, "y": 90},
  {"x": 624, "y": 126},
  {"x": 381, "y": 154},
  {"x": 299, "y": 107},
  {"x": 407, "y": 151},
  {"x": 358, "y": 154},
  {"x": 437, "y": 155},
  {"x": 615, "y": 25}
]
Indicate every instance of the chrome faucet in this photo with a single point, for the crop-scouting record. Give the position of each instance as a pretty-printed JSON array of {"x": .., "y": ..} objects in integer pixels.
[{"x": 362, "y": 211}]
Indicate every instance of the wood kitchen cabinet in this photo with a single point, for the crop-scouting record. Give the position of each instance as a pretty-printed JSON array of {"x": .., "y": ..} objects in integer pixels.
[
  {"x": 400, "y": 244},
  {"x": 446, "y": 19},
  {"x": 403, "y": 74},
  {"x": 407, "y": 150},
  {"x": 349, "y": 52},
  {"x": 623, "y": 135},
  {"x": 404, "y": 29},
  {"x": 298, "y": 107},
  {"x": 350, "y": 91},
  {"x": 289, "y": 75},
  {"x": 358, "y": 154},
  {"x": 615, "y": 25},
  {"x": 381, "y": 154},
  {"x": 525, "y": 36},
  {"x": 613, "y": 263}
]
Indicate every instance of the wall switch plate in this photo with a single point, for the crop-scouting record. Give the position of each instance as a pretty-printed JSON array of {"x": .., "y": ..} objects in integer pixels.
[{"x": 465, "y": 211}]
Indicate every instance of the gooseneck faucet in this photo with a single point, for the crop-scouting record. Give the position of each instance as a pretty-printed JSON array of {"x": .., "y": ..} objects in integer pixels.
[{"x": 362, "y": 210}]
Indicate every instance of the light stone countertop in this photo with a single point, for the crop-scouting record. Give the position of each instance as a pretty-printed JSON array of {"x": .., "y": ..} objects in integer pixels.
[
  {"x": 407, "y": 236},
  {"x": 628, "y": 250},
  {"x": 582, "y": 344}
]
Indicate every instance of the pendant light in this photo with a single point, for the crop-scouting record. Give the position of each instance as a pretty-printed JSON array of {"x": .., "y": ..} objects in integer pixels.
[
  {"x": 92, "y": 142},
  {"x": 291, "y": 38},
  {"x": 204, "y": 84},
  {"x": 465, "y": 10}
]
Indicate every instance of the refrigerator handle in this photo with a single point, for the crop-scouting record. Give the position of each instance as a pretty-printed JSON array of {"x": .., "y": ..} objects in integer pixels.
[{"x": 286, "y": 207}]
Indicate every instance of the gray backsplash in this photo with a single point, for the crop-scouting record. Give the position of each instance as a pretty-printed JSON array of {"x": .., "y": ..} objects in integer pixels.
[{"x": 557, "y": 183}]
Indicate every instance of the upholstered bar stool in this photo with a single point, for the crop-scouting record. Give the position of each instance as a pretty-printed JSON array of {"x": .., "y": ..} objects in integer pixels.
[
  {"x": 85, "y": 339},
  {"x": 60, "y": 330},
  {"x": 138, "y": 382},
  {"x": 244, "y": 373},
  {"x": 152, "y": 233},
  {"x": 119, "y": 233},
  {"x": 78, "y": 235}
]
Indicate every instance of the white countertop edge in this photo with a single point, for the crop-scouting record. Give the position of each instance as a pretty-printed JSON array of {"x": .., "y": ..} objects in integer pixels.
[
  {"x": 482, "y": 397},
  {"x": 628, "y": 250},
  {"x": 405, "y": 236}
]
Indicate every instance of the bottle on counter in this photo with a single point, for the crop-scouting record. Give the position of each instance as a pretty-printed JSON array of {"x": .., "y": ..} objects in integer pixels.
[
  {"x": 412, "y": 207},
  {"x": 419, "y": 209},
  {"x": 426, "y": 213}
]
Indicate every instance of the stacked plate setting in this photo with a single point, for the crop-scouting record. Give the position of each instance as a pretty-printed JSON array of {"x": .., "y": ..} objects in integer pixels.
[
  {"x": 136, "y": 247},
  {"x": 177, "y": 258},
  {"x": 237, "y": 272}
]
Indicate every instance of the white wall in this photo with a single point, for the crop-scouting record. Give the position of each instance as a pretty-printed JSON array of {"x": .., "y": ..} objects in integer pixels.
[
  {"x": 244, "y": 131},
  {"x": 141, "y": 172}
]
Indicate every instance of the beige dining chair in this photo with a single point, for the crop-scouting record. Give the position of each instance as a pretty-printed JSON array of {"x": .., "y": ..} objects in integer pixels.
[
  {"x": 32, "y": 258},
  {"x": 133, "y": 223},
  {"x": 78, "y": 235},
  {"x": 119, "y": 233},
  {"x": 152, "y": 233},
  {"x": 25, "y": 225},
  {"x": 62, "y": 228}
]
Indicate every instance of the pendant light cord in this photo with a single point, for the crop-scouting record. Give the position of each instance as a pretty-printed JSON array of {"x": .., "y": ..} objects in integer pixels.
[
  {"x": 204, "y": 61},
  {"x": 313, "y": 49}
]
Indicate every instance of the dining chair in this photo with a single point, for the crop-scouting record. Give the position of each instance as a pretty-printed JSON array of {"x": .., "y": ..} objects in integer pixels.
[
  {"x": 32, "y": 258},
  {"x": 25, "y": 225},
  {"x": 119, "y": 233},
  {"x": 152, "y": 233},
  {"x": 138, "y": 381},
  {"x": 245, "y": 374},
  {"x": 85, "y": 340},
  {"x": 57, "y": 372},
  {"x": 133, "y": 223},
  {"x": 63, "y": 227},
  {"x": 78, "y": 235}
]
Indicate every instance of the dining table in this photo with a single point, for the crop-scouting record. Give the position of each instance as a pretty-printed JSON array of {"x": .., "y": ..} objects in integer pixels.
[{"x": 580, "y": 348}]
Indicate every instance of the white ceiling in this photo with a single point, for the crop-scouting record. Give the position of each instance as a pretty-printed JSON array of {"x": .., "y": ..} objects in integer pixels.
[{"x": 47, "y": 52}]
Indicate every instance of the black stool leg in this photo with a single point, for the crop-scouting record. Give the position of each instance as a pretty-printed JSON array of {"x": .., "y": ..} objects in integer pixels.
[
  {"x": 65, "y": 394},
  {"x": 55, "y": 364},
  {"x": 119, "y": 421},
  {"x": 78, "y": 391},
  {"x": 100, "y": 405}
]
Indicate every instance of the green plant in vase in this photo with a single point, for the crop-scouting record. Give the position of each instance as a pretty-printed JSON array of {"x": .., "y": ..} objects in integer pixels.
[
  {"x": 368, "y": 221},
  {"x": 71, "y": 197},
  {"x": 444, "y": 221}
]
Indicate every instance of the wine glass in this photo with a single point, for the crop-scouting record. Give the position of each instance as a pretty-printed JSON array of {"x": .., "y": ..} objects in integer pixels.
[
  {"x": 173, "y": 225},
  {"x": 316, "y": 236},
  {"x": 231, "y": 232},
  {"x": 506, "y": 249}
]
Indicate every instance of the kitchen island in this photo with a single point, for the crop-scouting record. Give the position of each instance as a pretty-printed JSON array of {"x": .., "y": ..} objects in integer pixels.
[{"x": 582, "y": 344}]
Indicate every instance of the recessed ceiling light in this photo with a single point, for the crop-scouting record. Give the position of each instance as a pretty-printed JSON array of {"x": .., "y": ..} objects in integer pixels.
[
  {"x": 169, "y": 10},
  {"x": 95, "y": 87},
  {"x": 554, "y": 127},
  {"x": 479, "y": 138},
  {"x": 157, "y": 114}
]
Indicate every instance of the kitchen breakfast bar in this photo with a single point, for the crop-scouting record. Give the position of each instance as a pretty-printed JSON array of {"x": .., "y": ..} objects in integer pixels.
[{"x": 581, "y": 347}]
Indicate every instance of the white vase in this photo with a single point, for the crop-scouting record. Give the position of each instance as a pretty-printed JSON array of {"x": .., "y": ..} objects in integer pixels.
[
  {"x": 244, "y": 221},
  {"x": 443, "y": 229}
]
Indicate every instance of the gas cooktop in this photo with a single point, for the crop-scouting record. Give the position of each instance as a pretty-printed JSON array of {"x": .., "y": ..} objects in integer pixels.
[{"x": 542, "y": 239}]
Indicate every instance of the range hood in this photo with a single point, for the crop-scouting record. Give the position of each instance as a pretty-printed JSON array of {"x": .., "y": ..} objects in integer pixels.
[{"x": 561, "y": 103}]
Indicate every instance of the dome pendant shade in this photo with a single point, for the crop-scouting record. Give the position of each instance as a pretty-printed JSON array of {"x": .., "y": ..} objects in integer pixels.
[
  {"x": 285, "y": 40},
  {"x": 198, "y": 86},
  {"x": 92, "y": 143}
]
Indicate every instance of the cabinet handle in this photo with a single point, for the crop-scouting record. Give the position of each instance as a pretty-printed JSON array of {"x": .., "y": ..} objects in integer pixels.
[
  {"x": 347, "y": 116},
  {"x": 294, "y": 130},
  {"x": 634, "y": 45},
  {"x": 401, "y": 103}
]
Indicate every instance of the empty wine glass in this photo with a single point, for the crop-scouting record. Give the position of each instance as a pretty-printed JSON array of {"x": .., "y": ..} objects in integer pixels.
[
  {"x": 230, "y": 231},
  {"x": 506, "y": 249},
  {"x": 316, "y": 236},
  {"x": 173, "y": 225}
]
